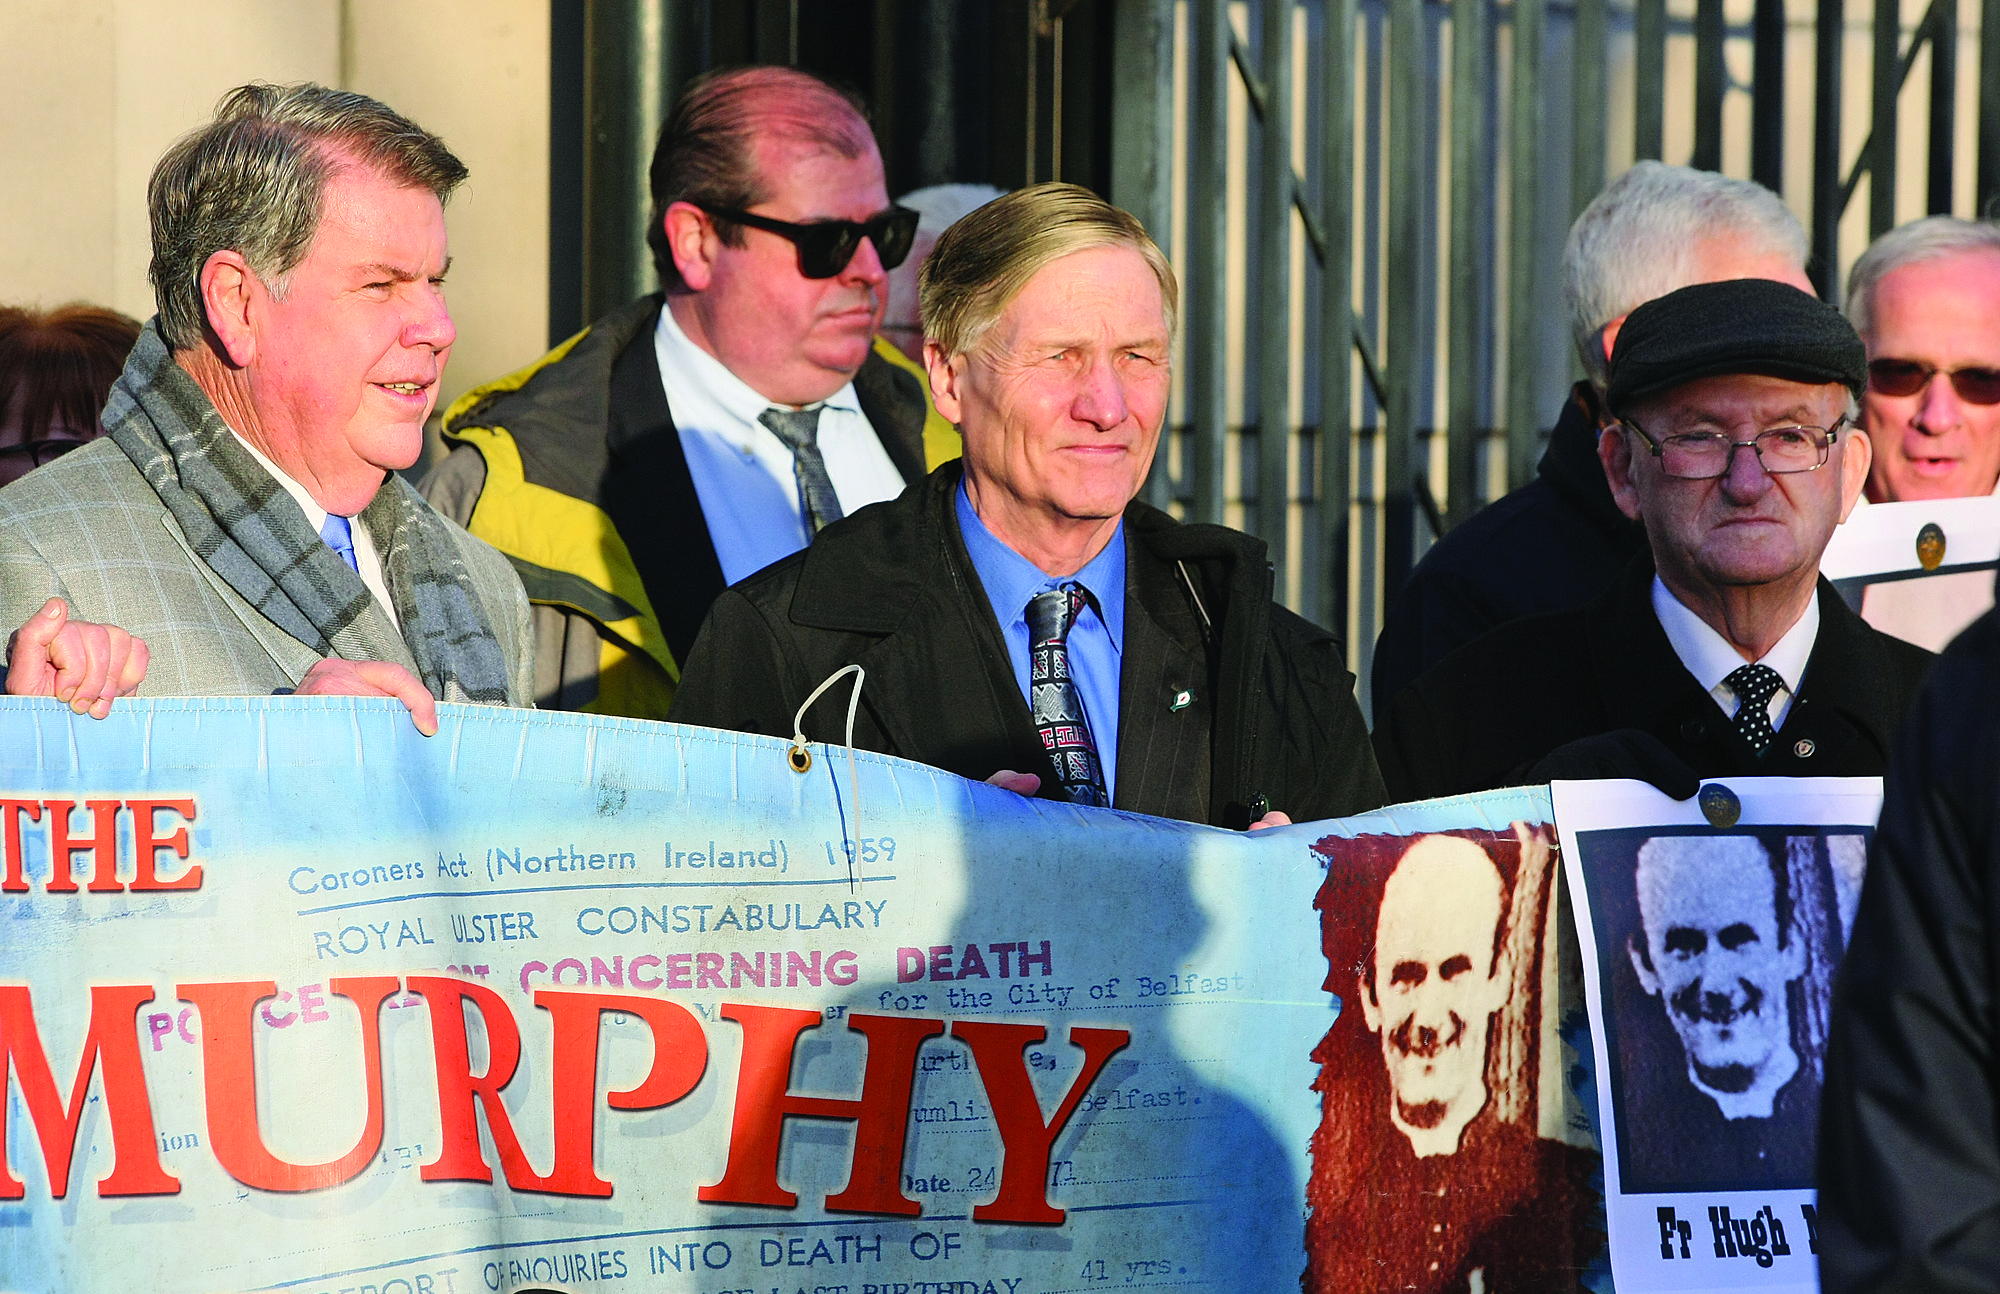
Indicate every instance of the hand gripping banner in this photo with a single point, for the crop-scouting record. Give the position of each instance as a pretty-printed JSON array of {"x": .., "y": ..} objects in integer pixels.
[{"x": 293, "y": 998}]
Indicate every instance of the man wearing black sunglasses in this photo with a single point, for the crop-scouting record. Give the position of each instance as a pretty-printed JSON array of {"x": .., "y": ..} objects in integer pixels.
[
  {"x": 699, "y": 434},
  {"x": 1925, "y": 298},
  {"x": 1719, "y": 650}
]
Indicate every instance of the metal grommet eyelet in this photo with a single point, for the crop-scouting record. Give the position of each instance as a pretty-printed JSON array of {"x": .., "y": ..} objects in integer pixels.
[{"x": 800, "y": 759}]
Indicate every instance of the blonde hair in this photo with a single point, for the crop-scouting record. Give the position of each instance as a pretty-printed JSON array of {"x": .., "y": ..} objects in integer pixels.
[{"x": 983, "y": 261}]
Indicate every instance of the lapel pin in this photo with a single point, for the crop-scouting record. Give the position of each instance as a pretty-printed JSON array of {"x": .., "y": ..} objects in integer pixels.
[
  {"x": 1720, "y": 806},
  {"x": 1803, "y": 748},
  {"x": 1182, "y": 700},
  {"x": 1930, "y": 546}
]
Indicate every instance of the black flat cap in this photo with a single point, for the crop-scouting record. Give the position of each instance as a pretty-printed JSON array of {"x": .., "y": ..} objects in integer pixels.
[{"x": 1737, "y": 326}]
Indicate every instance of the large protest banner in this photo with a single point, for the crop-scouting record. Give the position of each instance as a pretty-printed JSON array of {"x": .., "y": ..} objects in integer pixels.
[{"x": 292, "y": 997}]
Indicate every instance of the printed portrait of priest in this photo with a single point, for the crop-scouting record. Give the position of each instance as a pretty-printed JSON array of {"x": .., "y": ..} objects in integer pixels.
[
  {"x": 1433, "y": 1170},
  {"x": 1719, "y": 994}
]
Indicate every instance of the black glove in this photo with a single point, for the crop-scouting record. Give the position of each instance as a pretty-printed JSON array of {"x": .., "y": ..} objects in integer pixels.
[{"x": 1626, "y": 752}]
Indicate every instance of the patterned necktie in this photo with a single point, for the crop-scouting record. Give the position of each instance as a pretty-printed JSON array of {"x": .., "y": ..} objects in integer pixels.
[
  {"x": 339, "y": 536},
  {"x": 1754, "y": 686},
  {"x": 1052, "y": 696},
  {"x": 799, "y": 429}
]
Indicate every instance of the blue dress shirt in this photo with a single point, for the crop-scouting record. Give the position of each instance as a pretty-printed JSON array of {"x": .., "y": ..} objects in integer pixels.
[
  {"x": 742, "y": 472},
  {"x": 1097, "y": 640}
]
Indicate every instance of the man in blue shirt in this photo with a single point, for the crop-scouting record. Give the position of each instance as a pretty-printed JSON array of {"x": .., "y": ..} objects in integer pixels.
[
  {"x": 1022, "y": 617},
  {"x": 697, "y": 435}
]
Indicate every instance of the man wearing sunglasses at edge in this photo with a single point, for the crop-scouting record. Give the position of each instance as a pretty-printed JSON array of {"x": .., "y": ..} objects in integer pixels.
[
  {"x": 1719, "y": 651},
  {"x": 1925, "y": 298},
  {"x": 697, "y": 435}
]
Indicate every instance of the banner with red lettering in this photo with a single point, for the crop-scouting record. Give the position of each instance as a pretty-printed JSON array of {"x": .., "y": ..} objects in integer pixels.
[{"x": 294, "y": 998}]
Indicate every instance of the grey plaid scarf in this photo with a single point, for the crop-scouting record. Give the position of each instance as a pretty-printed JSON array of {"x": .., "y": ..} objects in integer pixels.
[{"x": 252, "y": 534}]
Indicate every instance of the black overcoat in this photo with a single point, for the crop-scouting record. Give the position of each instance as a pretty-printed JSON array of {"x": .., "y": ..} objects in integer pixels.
[
  {"x": 1909, "y": 1170},
  {"x": 1485, "y": 715},
  {"x": 1269, "y": 708},
  {"x": 1553, "y": 544}
]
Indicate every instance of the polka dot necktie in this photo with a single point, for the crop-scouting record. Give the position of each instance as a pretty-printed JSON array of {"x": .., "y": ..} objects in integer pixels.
[
  {"x": 1754, "y": 686},
  {"x": 799, "y": 429},
  {"x": 338, "y": 533},
  {"x": 1053, "y": 698}
]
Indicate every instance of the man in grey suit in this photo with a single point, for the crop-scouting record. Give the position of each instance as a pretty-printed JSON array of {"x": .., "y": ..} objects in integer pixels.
[{"x": 239, "y": 529}]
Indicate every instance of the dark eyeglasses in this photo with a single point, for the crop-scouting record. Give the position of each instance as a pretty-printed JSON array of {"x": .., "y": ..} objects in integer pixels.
[
  {"x": 1706, "y": 455},
  {"x": 826, "y": 246},
  {"x": 1907, "y": 377}
]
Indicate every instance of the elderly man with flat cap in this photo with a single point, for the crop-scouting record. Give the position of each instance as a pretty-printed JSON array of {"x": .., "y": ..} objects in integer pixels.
[{"x": 1719, "y": 650}]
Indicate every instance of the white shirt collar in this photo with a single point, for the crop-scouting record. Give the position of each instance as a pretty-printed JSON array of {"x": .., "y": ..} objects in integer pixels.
[
  {"x": 692, "y": 373},
  {"x": 1710, "y": 658},
  {"x": 366, "y": 558},
  {"x": 315, "y": 515}
]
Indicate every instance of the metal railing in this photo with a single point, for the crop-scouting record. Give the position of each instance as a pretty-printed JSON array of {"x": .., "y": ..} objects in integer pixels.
[
  {"x": 1368, "y": 216},
  {"x": 1366, "y": 200}
]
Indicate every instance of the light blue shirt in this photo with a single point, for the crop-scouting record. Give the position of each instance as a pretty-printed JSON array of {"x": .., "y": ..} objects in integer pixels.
[
  {"x": 742, "y": 472},
  {"x": 1096, "y": 641}
]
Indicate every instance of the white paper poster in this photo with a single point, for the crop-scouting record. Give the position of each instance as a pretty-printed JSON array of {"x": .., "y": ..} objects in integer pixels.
[
  {"x": 1922, "y": 570},
  {"x": 1709, "y": 954}
]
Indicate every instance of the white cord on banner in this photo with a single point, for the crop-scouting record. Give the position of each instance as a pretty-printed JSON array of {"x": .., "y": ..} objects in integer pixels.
[{"x": 801, "y": 758}]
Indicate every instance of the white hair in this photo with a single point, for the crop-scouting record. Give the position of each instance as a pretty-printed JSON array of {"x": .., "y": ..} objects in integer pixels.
[
  {"x": 942, "y": 205},
  {"x": 1636, "y": 242},
  {"x": 1932, "y": 238}
]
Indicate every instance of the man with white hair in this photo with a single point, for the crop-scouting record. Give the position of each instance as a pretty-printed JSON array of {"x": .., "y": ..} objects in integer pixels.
[
  {"x": 1925, "y": 298},
  {"x": 938, "y": 208},
  {"x": 1020, "y": 614},
  {"x": 1557, "y": 542}
]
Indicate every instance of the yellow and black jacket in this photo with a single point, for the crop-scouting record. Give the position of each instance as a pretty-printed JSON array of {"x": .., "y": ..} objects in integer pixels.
[{"x": 572, "y": 467}]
